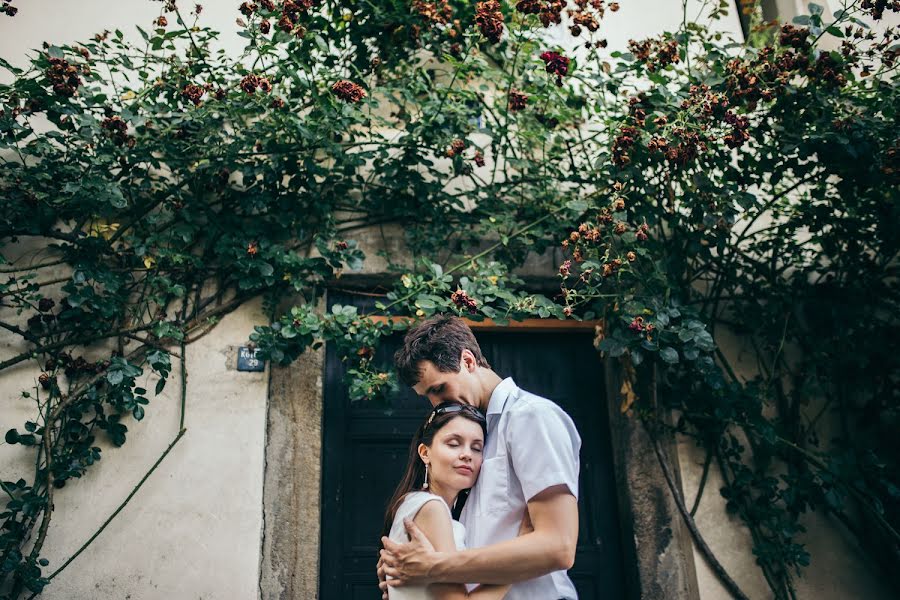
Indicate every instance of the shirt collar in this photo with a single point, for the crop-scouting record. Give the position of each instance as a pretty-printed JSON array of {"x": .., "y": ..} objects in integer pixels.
[{"x": 500, "y": 395}]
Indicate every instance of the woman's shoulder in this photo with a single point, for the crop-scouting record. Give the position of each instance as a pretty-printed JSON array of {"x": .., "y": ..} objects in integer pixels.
[{"x": 413, "y": 502}]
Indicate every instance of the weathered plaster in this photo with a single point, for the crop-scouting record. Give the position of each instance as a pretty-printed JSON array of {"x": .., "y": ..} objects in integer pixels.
[
  {"x": 656, "y": 543},
  {"x": 291, "y": 492}
]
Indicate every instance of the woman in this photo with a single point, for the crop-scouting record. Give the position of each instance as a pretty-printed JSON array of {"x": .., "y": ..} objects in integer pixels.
[{"x": 444, "y": 460}]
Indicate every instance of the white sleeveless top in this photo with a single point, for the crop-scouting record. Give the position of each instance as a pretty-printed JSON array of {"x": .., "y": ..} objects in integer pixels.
[{"x": 408, "y": 509}]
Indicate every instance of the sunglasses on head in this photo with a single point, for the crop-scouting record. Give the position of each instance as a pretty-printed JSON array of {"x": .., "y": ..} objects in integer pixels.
[{"x": 454, "y": 407}]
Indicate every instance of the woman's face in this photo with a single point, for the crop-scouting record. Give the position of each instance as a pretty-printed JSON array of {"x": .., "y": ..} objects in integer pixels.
[{"x": 454, "y": 457}]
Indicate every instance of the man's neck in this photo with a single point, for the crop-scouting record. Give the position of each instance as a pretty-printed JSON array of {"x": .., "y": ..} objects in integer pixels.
[{"x": 489, "y": 382}]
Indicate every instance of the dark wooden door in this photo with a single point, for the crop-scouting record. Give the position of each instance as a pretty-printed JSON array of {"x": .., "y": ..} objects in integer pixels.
[{"x": 365, "y": 447}]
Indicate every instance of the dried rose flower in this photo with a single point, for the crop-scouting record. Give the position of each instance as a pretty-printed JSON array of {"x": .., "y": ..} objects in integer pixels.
[
  {"x": 556, "y": 64},
  {"x": 489, "y": 20},
  {"x": 348, "y": 91},
  {"x": 517, "y": 100}
]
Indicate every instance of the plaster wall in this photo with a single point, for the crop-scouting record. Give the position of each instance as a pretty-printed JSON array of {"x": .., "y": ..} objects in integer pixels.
[
  {"x": 839, "y": 568},
  {"x": 193, "y": 529}
]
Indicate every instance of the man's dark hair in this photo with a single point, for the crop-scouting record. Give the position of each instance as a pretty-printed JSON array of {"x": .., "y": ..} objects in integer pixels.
[{"x": 439, "y": 339}]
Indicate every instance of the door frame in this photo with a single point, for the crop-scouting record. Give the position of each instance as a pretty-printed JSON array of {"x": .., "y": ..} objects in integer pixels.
[{"x": 656, "y": 544}]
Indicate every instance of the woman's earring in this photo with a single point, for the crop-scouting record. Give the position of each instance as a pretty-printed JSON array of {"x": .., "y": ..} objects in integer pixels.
[{"x": 425, "y": 485}]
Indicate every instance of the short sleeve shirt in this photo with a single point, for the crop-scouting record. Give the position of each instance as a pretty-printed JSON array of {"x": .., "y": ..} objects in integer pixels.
[{"x": 531, "y": 445}]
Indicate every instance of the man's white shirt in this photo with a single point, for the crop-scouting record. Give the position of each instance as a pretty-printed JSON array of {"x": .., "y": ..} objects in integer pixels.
[{"x": 531, "y": 445}]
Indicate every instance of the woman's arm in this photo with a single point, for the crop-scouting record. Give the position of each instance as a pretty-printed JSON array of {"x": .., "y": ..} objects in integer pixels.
[{"x": 435, "y": 523}]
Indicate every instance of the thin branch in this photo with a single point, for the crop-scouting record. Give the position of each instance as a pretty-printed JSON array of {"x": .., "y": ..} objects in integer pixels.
[
  {"x": 118, "y": 510},
  {"x": 702, "y": 546},
  {"x": 700, "y": 488},
  {"x": 51, "y": 263},
  {"x": 79, "y": 342}
]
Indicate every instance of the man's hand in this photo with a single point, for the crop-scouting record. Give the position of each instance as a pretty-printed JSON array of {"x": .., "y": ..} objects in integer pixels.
[
  {"x": 382, "y": 584},
  {"x": 407, "y": 563}
]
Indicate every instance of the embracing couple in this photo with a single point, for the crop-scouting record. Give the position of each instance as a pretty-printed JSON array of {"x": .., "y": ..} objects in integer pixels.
[{"x": 515, "y": 451}]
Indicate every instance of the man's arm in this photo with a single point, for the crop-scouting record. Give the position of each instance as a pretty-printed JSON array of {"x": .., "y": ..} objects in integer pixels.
[{"x": 550, "y": 547}]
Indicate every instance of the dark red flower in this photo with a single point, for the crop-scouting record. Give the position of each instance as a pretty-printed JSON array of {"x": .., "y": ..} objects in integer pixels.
[
  {"x": 264, "y": 26},
  {"x": 621, "y": 145},
  {"x": 549, "y": 11},
  {"x": 251, "y": 82},
  {"x": 795, "y": 37},
  {"x": 461, "y": 299},
  {"x": 117, "y": 130},
  {"x": 435, "y": 13},
  {"x": 489, "y": 20},
  {"x": 529, "y": 7},
  {"x": 348, "y": 91},
  {"x": 656, "y": 53},
  {"x": 193, "y": 93},
  {"x": 611, "y": 267},
  {"x": 456, "y": 147},
  {"x": 248, "y": 8},
  {"x": 45, "y": 380},
  {"x": 556, "y": 64},
  {"x": 478, "y": 158},
  {"x": 285, "y": 24},
  {"x": 517, "y": 100},
  {"x": 63, "y": 77}
]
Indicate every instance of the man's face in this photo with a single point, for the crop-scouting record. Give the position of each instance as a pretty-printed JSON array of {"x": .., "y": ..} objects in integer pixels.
[{"x": 438, "y": 387}]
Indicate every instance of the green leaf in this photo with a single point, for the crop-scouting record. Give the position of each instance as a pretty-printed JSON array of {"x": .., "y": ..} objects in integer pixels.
[
  {"x": 686, "y": 335},
  {"x": 704, "y": 341},
  {"x": 669, "y": 355},
  {"x": 425, "y": 303},
  {"x": 637, "y": 357},
  {"x": 611, "y": 346},
  {"x": 577, "y": 205}
]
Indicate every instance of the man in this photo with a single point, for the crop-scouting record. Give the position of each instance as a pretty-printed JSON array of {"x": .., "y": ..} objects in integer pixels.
[{"x": 530, "y": 464}]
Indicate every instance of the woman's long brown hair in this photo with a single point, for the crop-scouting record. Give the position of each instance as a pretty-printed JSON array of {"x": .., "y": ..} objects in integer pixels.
[{"x": 414, "y": 475}]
